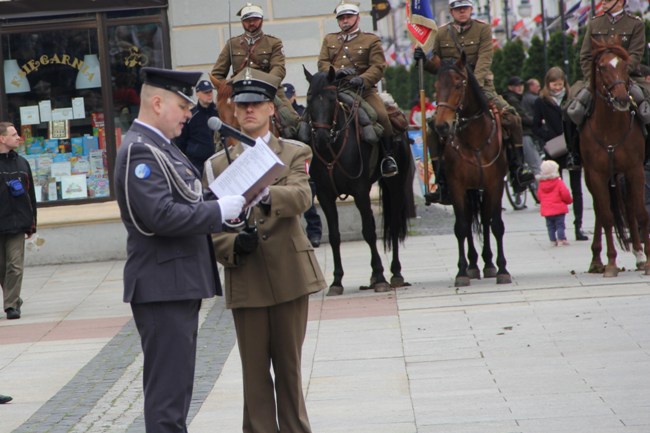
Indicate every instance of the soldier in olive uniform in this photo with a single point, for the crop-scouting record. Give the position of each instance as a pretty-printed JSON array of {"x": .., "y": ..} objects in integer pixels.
[
  {"x": 256, "y": 50},
  {"x": 615, "y": 23},
  {"x": 474, "y": 37},
  {"x": 270, "y": 270},
  {"x": 359, "y": 55}
]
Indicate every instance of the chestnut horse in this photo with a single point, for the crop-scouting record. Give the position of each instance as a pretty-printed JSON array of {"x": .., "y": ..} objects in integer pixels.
[
  {"x": 476, "y": 165},
  {"x": 341, "y": 166},
  {"x": 613, "y": 149}
]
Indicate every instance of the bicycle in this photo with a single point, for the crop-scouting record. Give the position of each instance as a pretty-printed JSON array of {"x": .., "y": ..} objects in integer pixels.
[{"x": 518, "y": 199}]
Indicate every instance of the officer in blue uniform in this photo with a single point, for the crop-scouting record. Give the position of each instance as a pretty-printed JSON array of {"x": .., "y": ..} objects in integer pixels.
[{"x": 170, "y": 264}]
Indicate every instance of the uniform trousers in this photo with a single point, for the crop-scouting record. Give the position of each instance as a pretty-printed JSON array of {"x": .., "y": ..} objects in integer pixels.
[
  {"x": 273, "y": 336},
  {"x": 168, "y": 333},
  {"x": 12, "y": 260}
]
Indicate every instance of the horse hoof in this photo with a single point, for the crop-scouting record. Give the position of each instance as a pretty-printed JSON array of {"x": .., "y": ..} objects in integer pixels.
[
  {"x": 474, "y": 274},
  {"x": 489, "y": 272},
  {"x": 399, "y": 282},
  {"x": 382, "y": 287},
  {"x": 504, "y": 279},
  {"x": 596, "y": 268},
  {"x": 335, "y": 291},
  {"x": 461, "y": 282},
  {"x": 610, "y": 271}
]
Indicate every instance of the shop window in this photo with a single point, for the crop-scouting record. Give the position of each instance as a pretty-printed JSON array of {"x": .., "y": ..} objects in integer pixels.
[
  {"x": 54, "y": 97},
  {"x": 131, "y": 47}
]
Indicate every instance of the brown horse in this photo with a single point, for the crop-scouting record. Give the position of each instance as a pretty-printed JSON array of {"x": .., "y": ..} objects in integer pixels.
[
  {"x": 476, "y": 165},
  {"x": 612, "y": 148}
]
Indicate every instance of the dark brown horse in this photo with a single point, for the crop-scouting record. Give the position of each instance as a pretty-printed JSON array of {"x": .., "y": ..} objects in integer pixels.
[
  {"x": 476, "y": 165},
  {"x": 612, "y": 148},
  {"x": 342, "y": 166}
]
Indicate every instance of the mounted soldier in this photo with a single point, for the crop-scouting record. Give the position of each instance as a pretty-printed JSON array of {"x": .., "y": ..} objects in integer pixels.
[
  {"x": 360, "y": 56},
  {"x": 474, "y": 37}
]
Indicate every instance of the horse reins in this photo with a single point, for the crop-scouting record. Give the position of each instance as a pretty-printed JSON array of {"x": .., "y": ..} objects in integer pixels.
[
  {"x": 609, "y": 100},
  {"x": 463, "y": 122},
  {"x": 334, "y": 136}
]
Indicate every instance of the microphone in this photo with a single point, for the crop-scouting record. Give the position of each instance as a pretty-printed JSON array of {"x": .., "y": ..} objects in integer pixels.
[{"x": 215, "y": 124}]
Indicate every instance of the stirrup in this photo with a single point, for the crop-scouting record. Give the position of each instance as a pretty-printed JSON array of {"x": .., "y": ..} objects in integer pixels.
[{"x": 388, "y": 167}]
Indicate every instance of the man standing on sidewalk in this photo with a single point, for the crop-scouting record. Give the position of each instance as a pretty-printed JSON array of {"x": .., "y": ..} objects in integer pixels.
[
  {"x": 17, "y": 217},
  {"x": 270, "y": 269},
  {"x": 169, "y": 266}
]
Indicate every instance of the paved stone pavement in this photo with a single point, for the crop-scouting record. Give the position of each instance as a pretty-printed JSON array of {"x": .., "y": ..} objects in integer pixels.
[{"x": 558, "y": 350}]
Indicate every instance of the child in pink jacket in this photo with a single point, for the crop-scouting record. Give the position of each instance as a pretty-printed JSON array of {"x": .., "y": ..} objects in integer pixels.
[{"x": 553, "y": 197}]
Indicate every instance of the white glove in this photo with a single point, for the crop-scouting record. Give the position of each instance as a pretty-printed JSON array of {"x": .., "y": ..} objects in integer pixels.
[
  {"x": 231, "y": 206},
  {"x": 261, "y": 197}
]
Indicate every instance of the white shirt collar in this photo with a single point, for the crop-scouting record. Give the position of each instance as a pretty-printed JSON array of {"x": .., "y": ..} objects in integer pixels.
[{"x": 154, "y": 129}]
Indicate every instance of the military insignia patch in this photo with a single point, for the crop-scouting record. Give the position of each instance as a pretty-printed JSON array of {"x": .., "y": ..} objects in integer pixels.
[{"x": 142, "y": 171}]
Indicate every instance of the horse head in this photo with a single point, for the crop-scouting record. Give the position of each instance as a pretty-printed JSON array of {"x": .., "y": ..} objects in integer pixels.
[
  {"x": 610, "y": 79},
  {"x": 322, "y": 103},
  {"x": 451, "y": 89},
  {"x": 225, "y": 106}
]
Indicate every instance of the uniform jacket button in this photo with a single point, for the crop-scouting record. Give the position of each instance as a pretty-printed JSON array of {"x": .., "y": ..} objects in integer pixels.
[{"x": 264, "y": 237}]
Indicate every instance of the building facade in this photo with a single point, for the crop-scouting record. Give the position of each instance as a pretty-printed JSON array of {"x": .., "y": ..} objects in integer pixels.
[{"x": 71, "y": 76}]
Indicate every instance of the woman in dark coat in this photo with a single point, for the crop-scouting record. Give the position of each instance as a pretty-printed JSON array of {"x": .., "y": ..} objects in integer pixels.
[{"x": 548, "y": 123}]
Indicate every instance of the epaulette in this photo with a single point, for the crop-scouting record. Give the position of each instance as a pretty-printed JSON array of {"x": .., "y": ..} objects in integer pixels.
[
  {"x": 221, "y": 152},
  {"x": 631, "y": 15},
  {"x": 271, "y": 36},
  {"x": 294, "y": 142},
  {"x": 479, "y": 21},
  {"x": 597, "y": 16}
]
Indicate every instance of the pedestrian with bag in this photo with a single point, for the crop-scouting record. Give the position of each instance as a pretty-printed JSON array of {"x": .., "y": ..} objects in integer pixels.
[{"x": 549, "y": 123}]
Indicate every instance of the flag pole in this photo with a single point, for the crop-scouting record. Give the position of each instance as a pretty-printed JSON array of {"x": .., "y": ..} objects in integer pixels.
[{"x": 423, "y": 114}]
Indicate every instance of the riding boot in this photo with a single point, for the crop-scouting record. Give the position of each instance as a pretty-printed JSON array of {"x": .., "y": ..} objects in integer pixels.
[
  {"x": 388, "y": 164},
  {"x": 441, "y": 194},
  {"x": 520, "y": 175}
]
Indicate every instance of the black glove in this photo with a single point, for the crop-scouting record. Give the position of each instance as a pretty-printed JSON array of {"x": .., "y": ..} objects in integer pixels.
[
  {"x": 418, "y": 54},
  {"x": 345, "y": 72},
  {"x": 357, "y": 82},
  {"x": 246, "y": 241}
]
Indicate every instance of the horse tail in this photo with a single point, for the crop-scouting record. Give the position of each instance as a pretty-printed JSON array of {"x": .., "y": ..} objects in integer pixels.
[
  {"x": 474, "y": 208},
  {"x": 397, "y": 200},
  {"x": 617, "y": 194}
]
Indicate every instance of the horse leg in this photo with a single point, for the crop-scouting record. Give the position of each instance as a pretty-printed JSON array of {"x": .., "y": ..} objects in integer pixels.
[
  {"x": 636, "y": 214},
  {"x": 498, "y": 230},
  {"x": 472, "y": 255},
  {"x": 489, "y": 270},
  {"x": 369, "y": 231},
  {"x": 396, "y": 279},
  {"x": 611, "y": 270},
  {"x": 596, "y": 266},
  {"x": 462, "y": 231},
  {"x": 328, "y": 205}
]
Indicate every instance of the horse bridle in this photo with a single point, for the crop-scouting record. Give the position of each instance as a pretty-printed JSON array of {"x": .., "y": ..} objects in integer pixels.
[
  {"x": 334, "y": 135},
  {"x": 462, "y": 122},
  {"x": 607, "y": 96}
]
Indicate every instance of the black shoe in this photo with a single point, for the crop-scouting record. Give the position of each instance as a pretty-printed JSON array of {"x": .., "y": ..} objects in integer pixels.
[
  {"x": 12, "y": 313},
  {"x": 5, "y": 399},
  {"x": 521, "y": 179},
  {"x": 580, "y": 236},
  {"x": 314, "y": 240},
  {"x": 388, "y": 167}
]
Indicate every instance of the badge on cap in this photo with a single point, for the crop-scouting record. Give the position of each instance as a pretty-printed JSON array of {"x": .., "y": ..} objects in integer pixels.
[{"x": 142, "y": 171}]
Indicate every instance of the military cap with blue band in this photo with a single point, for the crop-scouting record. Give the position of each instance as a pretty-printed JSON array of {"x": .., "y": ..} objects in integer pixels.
[
  {"x": 252, "y": 85},
  {"x": 179, "y": 82}
]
